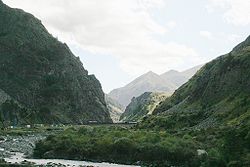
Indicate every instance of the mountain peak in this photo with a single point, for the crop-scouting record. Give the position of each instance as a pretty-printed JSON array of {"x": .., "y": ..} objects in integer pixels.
[
  {"x": 173, "y": 71},
  {"x": 170, "y": 72},
  {"x": 150, "y": 73}
]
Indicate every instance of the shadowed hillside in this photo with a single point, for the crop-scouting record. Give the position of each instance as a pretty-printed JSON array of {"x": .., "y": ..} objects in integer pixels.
[{"x": 41, "y": 80}]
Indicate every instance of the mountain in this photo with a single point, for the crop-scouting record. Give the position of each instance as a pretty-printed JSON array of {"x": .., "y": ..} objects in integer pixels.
[
  {"x": 179, "y": 78},
  {"x": 175, "y": 77},
  {"x": 213, "y": 109},
  {"x": 41, "y": 80},
  {"x": 190, "y": 72},
  {"x": 152, "y": 82},
  {"x": 147, "y": 82},
  {"x": 142, "y": 106},
  {"x": 114, "y": 107},
  {"x": 219, "y": 93}
]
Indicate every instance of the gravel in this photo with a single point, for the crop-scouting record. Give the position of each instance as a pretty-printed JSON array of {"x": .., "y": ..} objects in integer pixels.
[{"x": 23, "y": 144}]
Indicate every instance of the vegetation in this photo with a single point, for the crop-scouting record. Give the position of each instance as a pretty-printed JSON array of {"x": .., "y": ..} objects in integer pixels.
[
  {"x": 41, "y": 74},
  {"x": 223, "y": 146},
  {"x": 117, "y": 144},
  {"x": 226, "y": 144},
  {"x": 213, "y": 108},
  {"x": 205, "y": 123},
  {"x": 219, "y": 86}
]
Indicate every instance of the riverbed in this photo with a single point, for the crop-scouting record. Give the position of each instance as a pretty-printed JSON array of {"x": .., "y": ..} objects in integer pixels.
[
  {"x": 19, "y": 149},
  {"x": 19, "y": 158}
]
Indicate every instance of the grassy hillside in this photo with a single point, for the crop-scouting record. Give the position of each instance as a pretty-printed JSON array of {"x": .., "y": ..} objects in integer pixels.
[
  {"x": 213, "y": 108},
  {"x": 220, "y": 91}
]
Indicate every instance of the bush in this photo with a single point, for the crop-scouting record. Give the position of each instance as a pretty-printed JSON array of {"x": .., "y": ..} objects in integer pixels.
[{"x": 118, "y": 145}]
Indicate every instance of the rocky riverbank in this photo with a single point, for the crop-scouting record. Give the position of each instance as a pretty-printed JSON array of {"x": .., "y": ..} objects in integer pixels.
[
  {"x": 25, "y": 144},
  {"x": 17, "y": 145}
]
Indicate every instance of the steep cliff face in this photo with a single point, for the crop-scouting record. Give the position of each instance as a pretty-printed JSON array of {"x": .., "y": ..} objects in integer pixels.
[
  {"x": 43, "y": 75},
  {"x": 142, "y": 106}
]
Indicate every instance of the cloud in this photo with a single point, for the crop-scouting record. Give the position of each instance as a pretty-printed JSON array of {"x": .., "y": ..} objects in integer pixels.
[
  {"x": 171, "y": 24},
  {"x": 236, "y": 12},
  {"x": 206, "y": 34},
  {"x": 234, "y": 38},
  {"x": 125, "y": 29}
]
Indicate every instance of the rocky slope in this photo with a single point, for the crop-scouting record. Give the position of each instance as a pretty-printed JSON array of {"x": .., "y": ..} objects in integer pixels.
[
  {"x": 142, "y": 106},
  {"x": 152, "y": 82},
  {"x": 219, "y": 93},
  {"x": 115, "y": 109},
  {"x": 41, "y": 78}
]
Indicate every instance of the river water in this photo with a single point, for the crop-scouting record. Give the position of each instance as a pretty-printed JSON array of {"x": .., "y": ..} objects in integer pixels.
[{"x": 19, "y": 157}]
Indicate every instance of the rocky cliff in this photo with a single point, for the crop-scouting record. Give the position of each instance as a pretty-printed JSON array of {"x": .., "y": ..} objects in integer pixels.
[{"x": 43, "y": 76}]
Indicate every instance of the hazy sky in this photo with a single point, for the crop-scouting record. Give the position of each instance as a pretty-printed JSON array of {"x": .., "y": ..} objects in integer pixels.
[{"x": 118, "y": 40}]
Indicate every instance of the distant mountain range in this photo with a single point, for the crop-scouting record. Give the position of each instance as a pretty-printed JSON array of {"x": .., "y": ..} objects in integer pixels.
[{"x": 151, "y": 82}]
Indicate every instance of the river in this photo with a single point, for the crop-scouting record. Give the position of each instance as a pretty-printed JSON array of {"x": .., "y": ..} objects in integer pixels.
[
  {"x": 14, "y": 149},
  {"x": 19, "y": 157}
]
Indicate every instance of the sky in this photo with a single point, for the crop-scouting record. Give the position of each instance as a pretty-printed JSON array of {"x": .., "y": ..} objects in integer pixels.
[{"x": 119, "y": 40}]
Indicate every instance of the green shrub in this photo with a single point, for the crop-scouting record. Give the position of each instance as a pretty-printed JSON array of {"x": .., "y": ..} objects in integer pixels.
[{"x": 118, "y": 145}]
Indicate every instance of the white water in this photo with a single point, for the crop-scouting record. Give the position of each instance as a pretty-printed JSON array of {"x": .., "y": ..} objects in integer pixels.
[{"x": 19, "y": 157}]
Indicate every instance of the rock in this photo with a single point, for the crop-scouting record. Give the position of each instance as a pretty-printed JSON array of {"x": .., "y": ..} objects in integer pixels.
[{"x": 201, "y": 152}]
